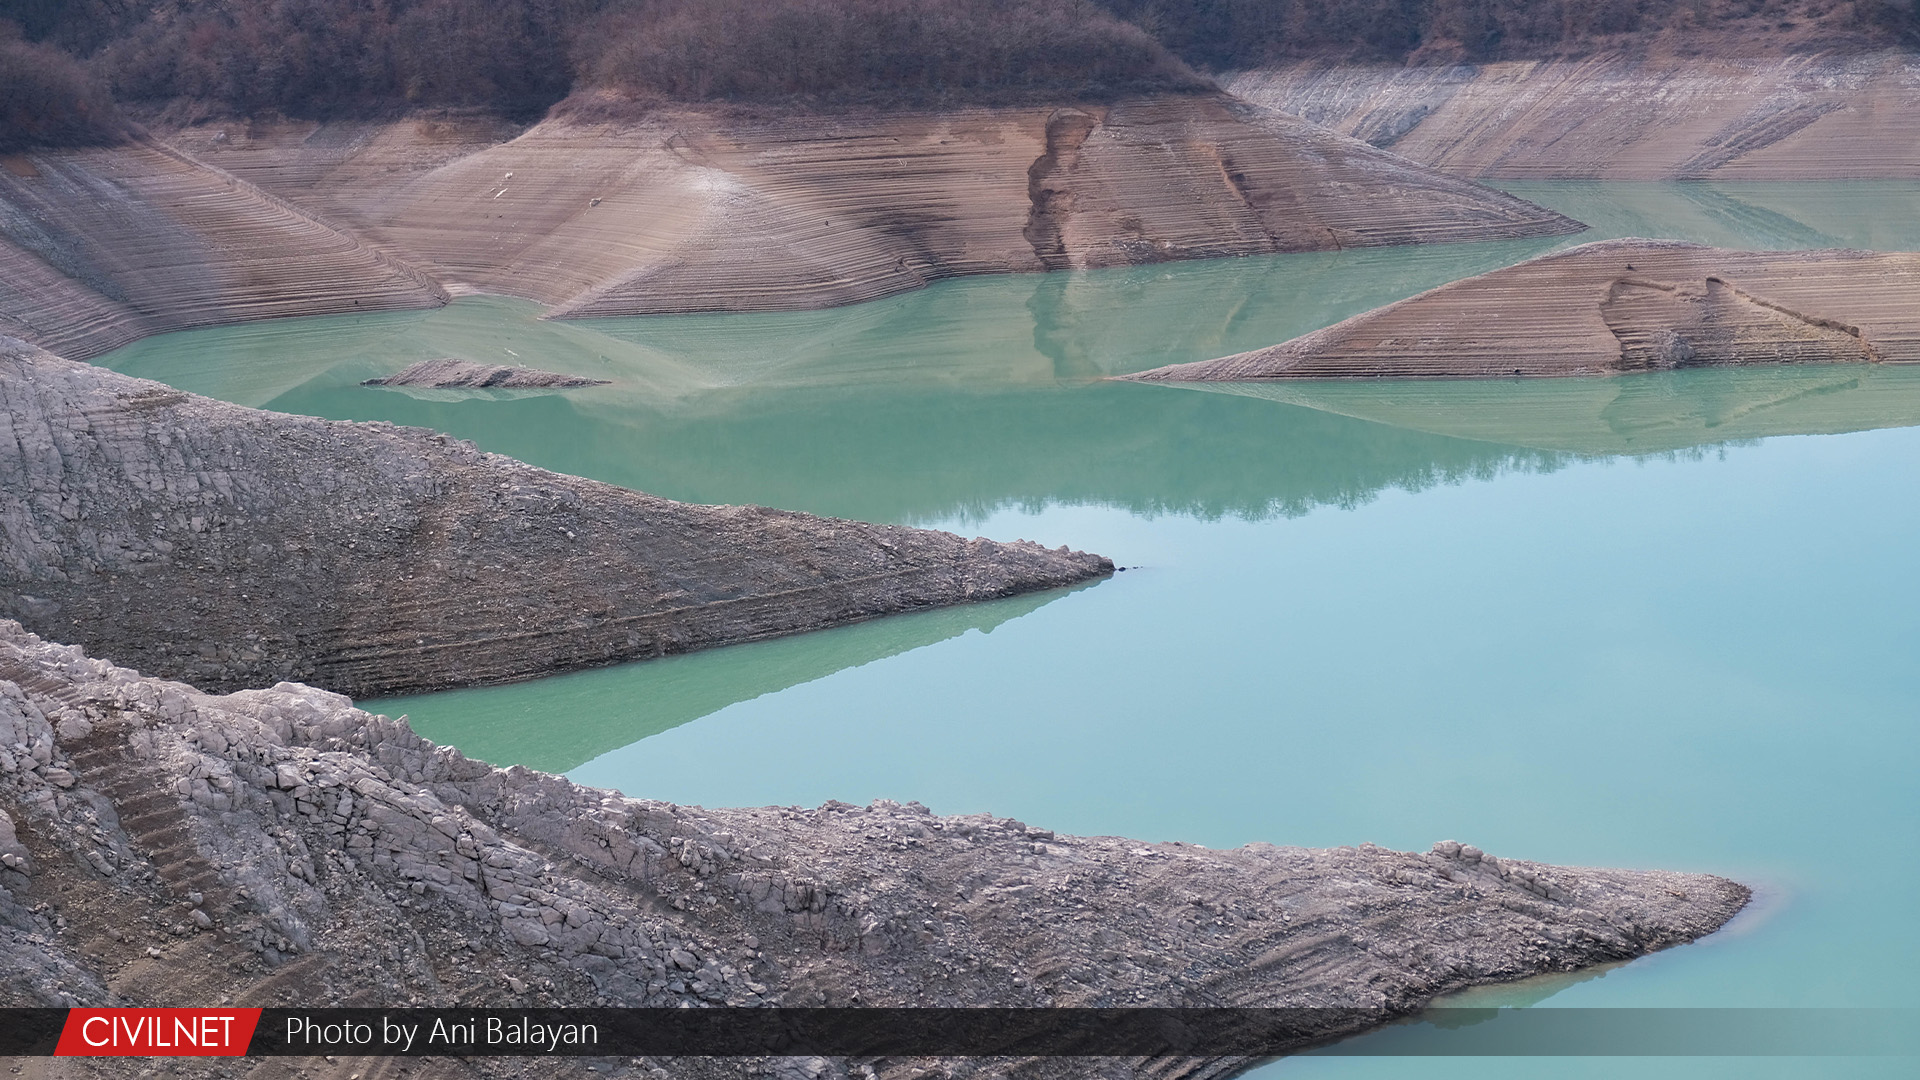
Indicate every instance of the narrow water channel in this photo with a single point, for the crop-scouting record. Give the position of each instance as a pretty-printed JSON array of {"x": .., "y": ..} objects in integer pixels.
[{"x": 1654, "y": 621}]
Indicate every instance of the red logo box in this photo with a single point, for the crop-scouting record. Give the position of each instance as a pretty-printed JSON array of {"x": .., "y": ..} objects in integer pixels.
[{"x": 157, "y": 1032}]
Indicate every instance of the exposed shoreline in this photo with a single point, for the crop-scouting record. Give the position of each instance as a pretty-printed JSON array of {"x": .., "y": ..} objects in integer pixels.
[
  {"x": 1613, "y": 307},
  {"x": 236, "y": 547},
  {"x": 684, "y": 209},
  {"x": 307, "y": 849},
  {"x": 1816, "y": 116}
]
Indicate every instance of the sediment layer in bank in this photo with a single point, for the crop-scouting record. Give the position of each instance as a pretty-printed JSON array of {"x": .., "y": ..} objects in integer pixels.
[
  {"x": 686, "y": 209},
  {"x": 1817, "y": 116},
  {"x": 103, "y": 246}
]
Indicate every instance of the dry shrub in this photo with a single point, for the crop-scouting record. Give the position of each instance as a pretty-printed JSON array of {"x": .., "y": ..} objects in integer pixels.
[
  {"x": 874, "y": 51},
  {"x": 48, "y": 99},
  {"x": 323, "y": 58}
]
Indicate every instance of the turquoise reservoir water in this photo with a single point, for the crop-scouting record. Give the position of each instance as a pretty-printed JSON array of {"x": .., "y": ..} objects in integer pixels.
[{"x": 1663, "y": 621}]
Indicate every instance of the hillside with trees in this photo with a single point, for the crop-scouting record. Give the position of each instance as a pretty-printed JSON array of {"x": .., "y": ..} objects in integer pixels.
[
  {"x": 64, "y": 62},
  {"x": 47, "y": 98}
]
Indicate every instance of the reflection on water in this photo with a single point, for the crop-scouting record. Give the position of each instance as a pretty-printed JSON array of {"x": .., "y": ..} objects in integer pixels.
[
  {"x": 1878, "y": 215},
  {"x": 1619, "y": 414},
  {"x": 983, "y": 393},
  {"x": 611, "y": 707},
  {"x": 1396, "y": 612}
]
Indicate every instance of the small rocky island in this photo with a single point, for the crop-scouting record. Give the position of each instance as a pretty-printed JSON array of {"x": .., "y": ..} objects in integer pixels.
[
  {"x": 1611, "y": 307},
  {"x": 449, "y": 373},
  {"x": 164, "y": 846}
]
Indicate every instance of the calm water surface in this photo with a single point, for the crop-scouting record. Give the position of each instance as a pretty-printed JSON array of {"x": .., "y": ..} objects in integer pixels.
[{"x": 1663, "y": 621}]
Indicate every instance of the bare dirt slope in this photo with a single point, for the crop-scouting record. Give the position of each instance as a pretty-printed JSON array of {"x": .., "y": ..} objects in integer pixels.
[
  {"x": 1611, "y": 117},
  {"x": 204, "y": 540},
  {"x": 1615, "y": 306},
  {"x": 100, "y": 247},
  {"x": 161, "y": 846},
  {"x": 690, "y": 209}
]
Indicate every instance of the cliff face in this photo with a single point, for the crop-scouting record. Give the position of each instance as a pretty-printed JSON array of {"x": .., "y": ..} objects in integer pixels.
[
  {"x": 1615, "y": 306},
  {"x": 238, "y": 548},
  {"x": 165, "y": 846},
  {"x": 100, "y": 247},
  {"x": 687, "y": 209},
  {"x": 1808, "y": 117}
]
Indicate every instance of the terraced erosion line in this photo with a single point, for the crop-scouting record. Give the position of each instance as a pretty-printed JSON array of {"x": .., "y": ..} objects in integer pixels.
[
  {"x": 164, "y": 846},
  {"x": 101, "y": 247},
  {"x": 1612, "y": 117},
  {"x": 683, "y": 210},
  {"x": 1612, "y": 307},
  {"x": 236, "y": 547},
  {"x": 688, "y": 209}
]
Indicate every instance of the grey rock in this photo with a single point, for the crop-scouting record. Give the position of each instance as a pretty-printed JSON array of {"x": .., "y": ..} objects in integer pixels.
[
  {"x": 233, "y": 547},
  {"x": 449, "y": 373},
  {"x": 563, "y": 894}
]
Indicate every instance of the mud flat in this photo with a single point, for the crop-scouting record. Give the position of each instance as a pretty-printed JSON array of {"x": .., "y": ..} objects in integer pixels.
[
  {"x": 687, "y": 209},
  {"x": 1615, "y": 306},
  {"x": 237, "y": 548},
  {"x": 1808, "y": 117},
  {"x": 166, "y": 846},
  {"x": 449, "y": 373},
  {"x": 101, "y": 247}
]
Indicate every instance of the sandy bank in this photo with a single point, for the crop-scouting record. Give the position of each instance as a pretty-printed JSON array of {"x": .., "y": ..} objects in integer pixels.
[
  {"x": 689, "y": 209},
  {"x": 236, "y": 547},
  {"x": 101, "y": 247},
  {"x": 1615, "y": 306},
  {"x": 165, "y": 846},
  {"x": 1817, "y": 117}
]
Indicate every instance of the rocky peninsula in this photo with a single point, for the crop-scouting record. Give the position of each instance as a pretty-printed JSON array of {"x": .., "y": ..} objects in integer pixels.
[
  {"x": 161, "y": 845},
  {"x": 1611, "y": 307},
  {"x": 235, "y": 547},
  {"x": 449, "y": 373}
]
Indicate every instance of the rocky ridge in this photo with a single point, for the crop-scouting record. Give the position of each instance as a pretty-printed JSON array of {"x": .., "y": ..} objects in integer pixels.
[
  {"x": 160, "y": 845},
  {"x": 449, "y": 373},
  {"x": 1610, "y": 307},
  {"x": 236, "y": 547}
]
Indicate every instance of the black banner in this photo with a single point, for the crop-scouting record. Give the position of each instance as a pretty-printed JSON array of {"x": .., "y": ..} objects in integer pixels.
[
  {"x": 30, "y": 1032},
  {"x": 861, "y": 1032}
]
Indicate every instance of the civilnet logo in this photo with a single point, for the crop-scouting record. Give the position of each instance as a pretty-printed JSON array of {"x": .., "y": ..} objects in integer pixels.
[{"x": 157, "y": 1032}]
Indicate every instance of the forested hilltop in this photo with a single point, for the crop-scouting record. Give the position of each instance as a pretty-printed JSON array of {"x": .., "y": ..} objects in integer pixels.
[{"x": 63, "y": 63}]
